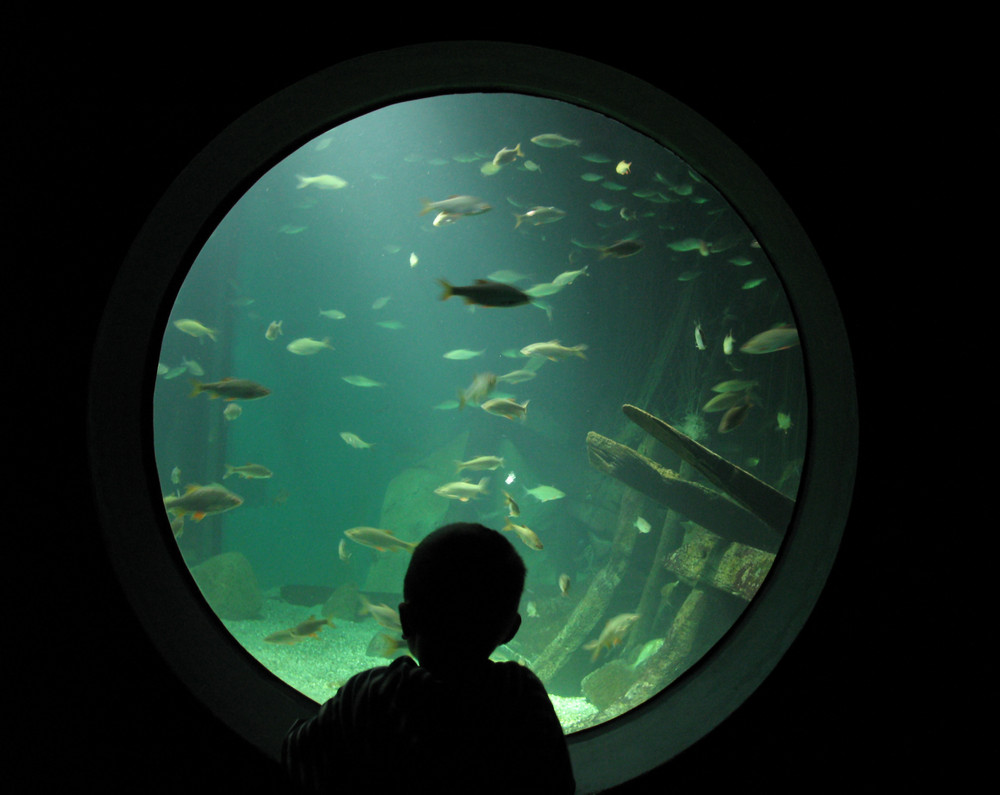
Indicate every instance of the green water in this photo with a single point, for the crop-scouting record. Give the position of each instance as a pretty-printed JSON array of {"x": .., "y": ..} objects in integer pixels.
[{"x": 287, "y": 253}]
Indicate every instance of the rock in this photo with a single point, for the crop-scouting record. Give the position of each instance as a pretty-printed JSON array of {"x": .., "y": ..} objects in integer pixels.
[
  {"x": 608, "y": 683},
  {"x": 229, "y": 586}
]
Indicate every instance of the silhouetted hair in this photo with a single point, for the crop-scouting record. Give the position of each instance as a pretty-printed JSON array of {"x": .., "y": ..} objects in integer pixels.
[{"x": 466, "y": 581}]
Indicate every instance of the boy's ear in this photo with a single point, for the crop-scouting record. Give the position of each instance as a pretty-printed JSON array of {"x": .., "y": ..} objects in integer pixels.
[
  {"x": 405, "y": 619},
  {"x": 515, "y": 625}
]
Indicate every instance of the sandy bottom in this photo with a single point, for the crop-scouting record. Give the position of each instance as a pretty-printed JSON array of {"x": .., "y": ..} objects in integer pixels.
[{"x": 316, "y": 667}]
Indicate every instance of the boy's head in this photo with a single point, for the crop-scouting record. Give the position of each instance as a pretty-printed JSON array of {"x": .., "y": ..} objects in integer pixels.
[{"x": 461, "y": 593}]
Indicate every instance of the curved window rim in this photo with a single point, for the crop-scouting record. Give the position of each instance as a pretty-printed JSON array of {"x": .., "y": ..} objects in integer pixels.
[{"x": 238, "y": 689}]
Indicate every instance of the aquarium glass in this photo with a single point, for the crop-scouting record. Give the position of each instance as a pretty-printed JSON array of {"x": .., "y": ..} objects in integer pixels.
[{"x": 315, "y": 377}]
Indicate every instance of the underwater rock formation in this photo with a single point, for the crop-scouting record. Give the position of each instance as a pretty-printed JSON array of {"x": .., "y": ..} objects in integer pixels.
[
  {"x": 607, "y": 684},
  {"x": 229, "y": 586},
  {"x": 411, "y": 510}
]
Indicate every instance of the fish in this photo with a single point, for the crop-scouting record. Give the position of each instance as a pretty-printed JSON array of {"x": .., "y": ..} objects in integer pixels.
[
  {"x": 479, "y": 463},
  {"x": 382, "y": 540},
  {"x": 526, "y": 534},
  {"x": 382, "y": 613},
  {"x": 307, "y": 629},
  {"x": 414, "y": 259},
  {"x": 507, "y": 155},
  {"x": 444, "y": 218},
  {"x": 568, "y": 277},
  {"x": 506, "y": 407},
  {"x": 601, "y": 205},
  {"x": 554, "y": 141},
  {"x": 564, "y": 583},
  {"x": 307, "y": 346},
  {"x": 333, "y": 314},
  {"x": 553, "y": 350},
  {"x": 378, "y": 303},
  {"x": 200, "y": 501},
  {"x": 192, "y": 366},
  {"x": 175, "y": 475},
  {"x": 361, "y": 380},
  {"x": 513, "y": 509},
  {"x": 591, "y": 177},
  {"x": 455, "y": 206},
  {"x": 274, "y": 330},
  {"x": 482, "y": 385},
  {"x": 462, "y": 354},
  {"x": 545, "y": 493},
  {"x": 231, "y": 389},
  {"x": 623, "y": 167},
  {"x": 734, "y": 385},
  {"x": 724, "y": 401},
  {"x": 784, "y": 421},
  {"x": 546, "y": 288},
  {"x": 776, "y": 339},
  {"x": 749, "y": 284},
  {"x": 342, "y": 551},
  {"x": 173, "y": 372},
  {"x": 322, "y": 181},
  {"x": 727, "y": 343},
  {"x": 383, "y": 645},
  {"x": 734, "y": 417},
  {"x": 489, "y": 169},
  {"x": 537, "y": 216},
  {"x": 517, "y": 376},
  {"x": 486, "y": 293},
  {"x": 699, "y": 341},
  {"x": 248, "y": 471},
  {"x": 642, "y": 525},
  {"x": 392, "y": 325},
  {"x": 463, "y": 490},
  {"x": 621, "y": 249},
  {"x": 355, "y": 441},
  {"x": 612, "y": 634},
  {"x": 596, "y": 157},
  {"x": 195, "y": 329}
]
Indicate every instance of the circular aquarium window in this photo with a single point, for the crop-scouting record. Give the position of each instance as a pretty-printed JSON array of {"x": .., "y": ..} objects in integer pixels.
[{"x": 495, "y": 298}]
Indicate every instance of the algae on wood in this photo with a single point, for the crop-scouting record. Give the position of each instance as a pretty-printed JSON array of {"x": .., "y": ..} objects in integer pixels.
[
  {"x": 708, "y": 559},
  {"x": 773, "y": 507},
  {"x": 697, "y": 502}
]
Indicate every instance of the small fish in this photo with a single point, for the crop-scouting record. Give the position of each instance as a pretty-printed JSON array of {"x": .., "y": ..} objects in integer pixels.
[
  {"x": 591, "y": 177},
  {"x": 623, "y": 167},
  {"x": 248, "y": 471},
  {"x": 612, "y": 634},
  {"x": 784, "y": 421},
  {"x": 553, "y": 350},
  {"x": 383, "y": 645},
  {"x": 173, "y": 372},
  {"x": 513, "y": 509},
  {"x": 699, "y": 341},
  {"x": 200, "y": 501},
  {"x": 621, "y": 249},
  {"x": 481, "y": 387},
  {"x": 333, "y": 314},
  {"x": 734, "y": 385},
  {"x": 505, "y": 407},
  {"x": 195, "y": 329},
  {"x": 361, "y": 380},
  {"x": 724, "y": 401},
  {"x": 545, "y": 493},
  {"x": 382, "y": 613},
  {"x": 231, "y": 389},
  {"x": 462, "y": 354},
  {"x": 192, "y": 366},
  {"x": 342, "y": 550},
  {"x": 507, "y": 155},
  {"x": 378, "y": 303},
  {"x": 486, "y": 293},
  {"x": 526, "y": 534},
  {"x": 274, "y": 330},
  {"x": 175, "y": 475},
  {"x": 775, "y": 339},
  {"x": 734, "y": 418},
  {"x": 307, "y": 629},
  {"x": 537, "y": 216},
  {"x": 307, "y": 346},
  {"x": 517, "y": 376},
  {"x": 642, "y": 525},
  {"x": 554, "y": 141},
  {"x": 455, "y": 206},
  {"x": 382, "y": 540},
  {"x": 479, "y": 463},
  {"x": 564, "y": 583},
  {"x": 393, "y": 325},
  {"x": 568, "y": 277},
  {"x": 749, "y": 284},
  {"x": 322, "y": 181},
  {"x": 355, "y": 441},
  {"x": 414, "y": 259},
  {"x": 727, "y": 343},
  {"x": 463, "y": 490}
]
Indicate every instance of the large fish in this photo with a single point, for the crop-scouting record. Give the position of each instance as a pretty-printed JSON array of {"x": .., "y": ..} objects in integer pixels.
[
  {"x": 486, "y": 293},
  {"x": 456, "y": 206},
  {"x": 381, "y": 540},
  {"x": 463, "y": 490},
  {"x": 200, "y": 501},
  {"x": 612, "y": 633},
  {"x": 775, "y": 339},
  {"x": 231, "y": 389},
  {"x": 553, "y": 350}
]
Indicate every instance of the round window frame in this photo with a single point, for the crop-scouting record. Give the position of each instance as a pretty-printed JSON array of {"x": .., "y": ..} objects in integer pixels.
[{"x": 219, "y": 672}]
